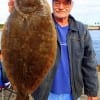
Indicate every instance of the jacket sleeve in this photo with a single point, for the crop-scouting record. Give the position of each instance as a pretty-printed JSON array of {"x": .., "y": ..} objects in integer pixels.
[{"x": 89, "y": 70}]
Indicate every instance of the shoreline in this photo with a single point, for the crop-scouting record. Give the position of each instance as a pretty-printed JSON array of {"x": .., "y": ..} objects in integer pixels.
[
  {"x": 1, "y": 29},
  {"x": 98, "y": 68}
]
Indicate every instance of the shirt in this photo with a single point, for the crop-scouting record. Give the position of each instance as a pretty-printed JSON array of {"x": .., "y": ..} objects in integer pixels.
[{"x": 61, "y": 82}]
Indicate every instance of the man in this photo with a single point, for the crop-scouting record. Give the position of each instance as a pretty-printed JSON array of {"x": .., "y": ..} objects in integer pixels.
[
  {"x": 4, "y": 82},
  {"x": 75, "y": 66},
  {"x": 1, "y": 81}
]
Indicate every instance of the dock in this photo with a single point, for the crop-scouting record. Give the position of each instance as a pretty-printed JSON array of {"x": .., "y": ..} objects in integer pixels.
[
  {"x": 13, "y": 96},
  {"x": 94, "y": 27}
]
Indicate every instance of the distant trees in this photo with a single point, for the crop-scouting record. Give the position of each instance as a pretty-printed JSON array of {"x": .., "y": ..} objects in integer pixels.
[{"x": 1, "y": 25}]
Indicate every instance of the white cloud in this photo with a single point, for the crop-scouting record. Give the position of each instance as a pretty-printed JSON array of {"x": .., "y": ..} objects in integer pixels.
[
  {"x": 87, "y": 11},
  {"x": 4, "y": 10}
]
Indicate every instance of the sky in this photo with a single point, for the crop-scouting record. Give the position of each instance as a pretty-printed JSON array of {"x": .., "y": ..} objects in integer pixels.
[{"x": 86, "y": 11}]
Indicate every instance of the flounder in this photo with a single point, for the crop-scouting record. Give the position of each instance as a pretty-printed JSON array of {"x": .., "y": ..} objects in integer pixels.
[{"x": 29, "y": 45}]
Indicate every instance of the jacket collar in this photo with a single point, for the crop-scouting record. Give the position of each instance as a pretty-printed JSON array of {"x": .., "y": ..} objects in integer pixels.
[{"x": 72, "y": 23}]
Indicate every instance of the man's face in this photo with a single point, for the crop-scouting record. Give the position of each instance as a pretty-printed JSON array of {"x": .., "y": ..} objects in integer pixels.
[
  {"x": 61, "y": 8},
  {"x": 11, "y": 5}
]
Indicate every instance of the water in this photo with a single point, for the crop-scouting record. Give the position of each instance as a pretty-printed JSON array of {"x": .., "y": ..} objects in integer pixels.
[{"x": 95, "y": 34}]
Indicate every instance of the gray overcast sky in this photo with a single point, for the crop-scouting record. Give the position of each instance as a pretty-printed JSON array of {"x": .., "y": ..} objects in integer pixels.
[{"x": 87, "y": 11}]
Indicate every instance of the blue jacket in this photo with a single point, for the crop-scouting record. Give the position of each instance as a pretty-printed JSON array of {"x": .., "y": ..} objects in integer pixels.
[{"x": 82, "y": 64}]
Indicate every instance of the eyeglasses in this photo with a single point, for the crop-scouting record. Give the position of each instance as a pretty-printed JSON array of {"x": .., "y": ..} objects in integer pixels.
[{"x": 65, "y": 4}]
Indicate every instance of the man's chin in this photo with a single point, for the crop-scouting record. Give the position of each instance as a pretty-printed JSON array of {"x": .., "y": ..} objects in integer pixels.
[{"x": 60, "y": 16}]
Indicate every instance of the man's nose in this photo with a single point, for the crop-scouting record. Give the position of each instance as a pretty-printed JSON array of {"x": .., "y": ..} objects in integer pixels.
[{"x": 61, "y": 5}]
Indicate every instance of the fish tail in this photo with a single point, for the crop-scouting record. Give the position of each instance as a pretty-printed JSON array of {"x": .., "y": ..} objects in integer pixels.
[{"x": 22, "y": 96}]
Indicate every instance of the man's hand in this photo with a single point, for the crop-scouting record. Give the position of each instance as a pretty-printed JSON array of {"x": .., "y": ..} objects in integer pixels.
[{"x": 92, "y": 98}]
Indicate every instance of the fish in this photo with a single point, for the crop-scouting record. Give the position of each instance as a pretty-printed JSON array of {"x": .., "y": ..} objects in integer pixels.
[{"x": 29, "y": 45}]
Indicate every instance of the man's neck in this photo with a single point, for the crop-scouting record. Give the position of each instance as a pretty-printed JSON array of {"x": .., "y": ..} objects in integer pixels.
[{"x": 62, "y": 21}]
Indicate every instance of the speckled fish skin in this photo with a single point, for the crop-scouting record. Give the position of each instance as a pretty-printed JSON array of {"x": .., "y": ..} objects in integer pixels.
[{"x": 29, "y": 45}]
